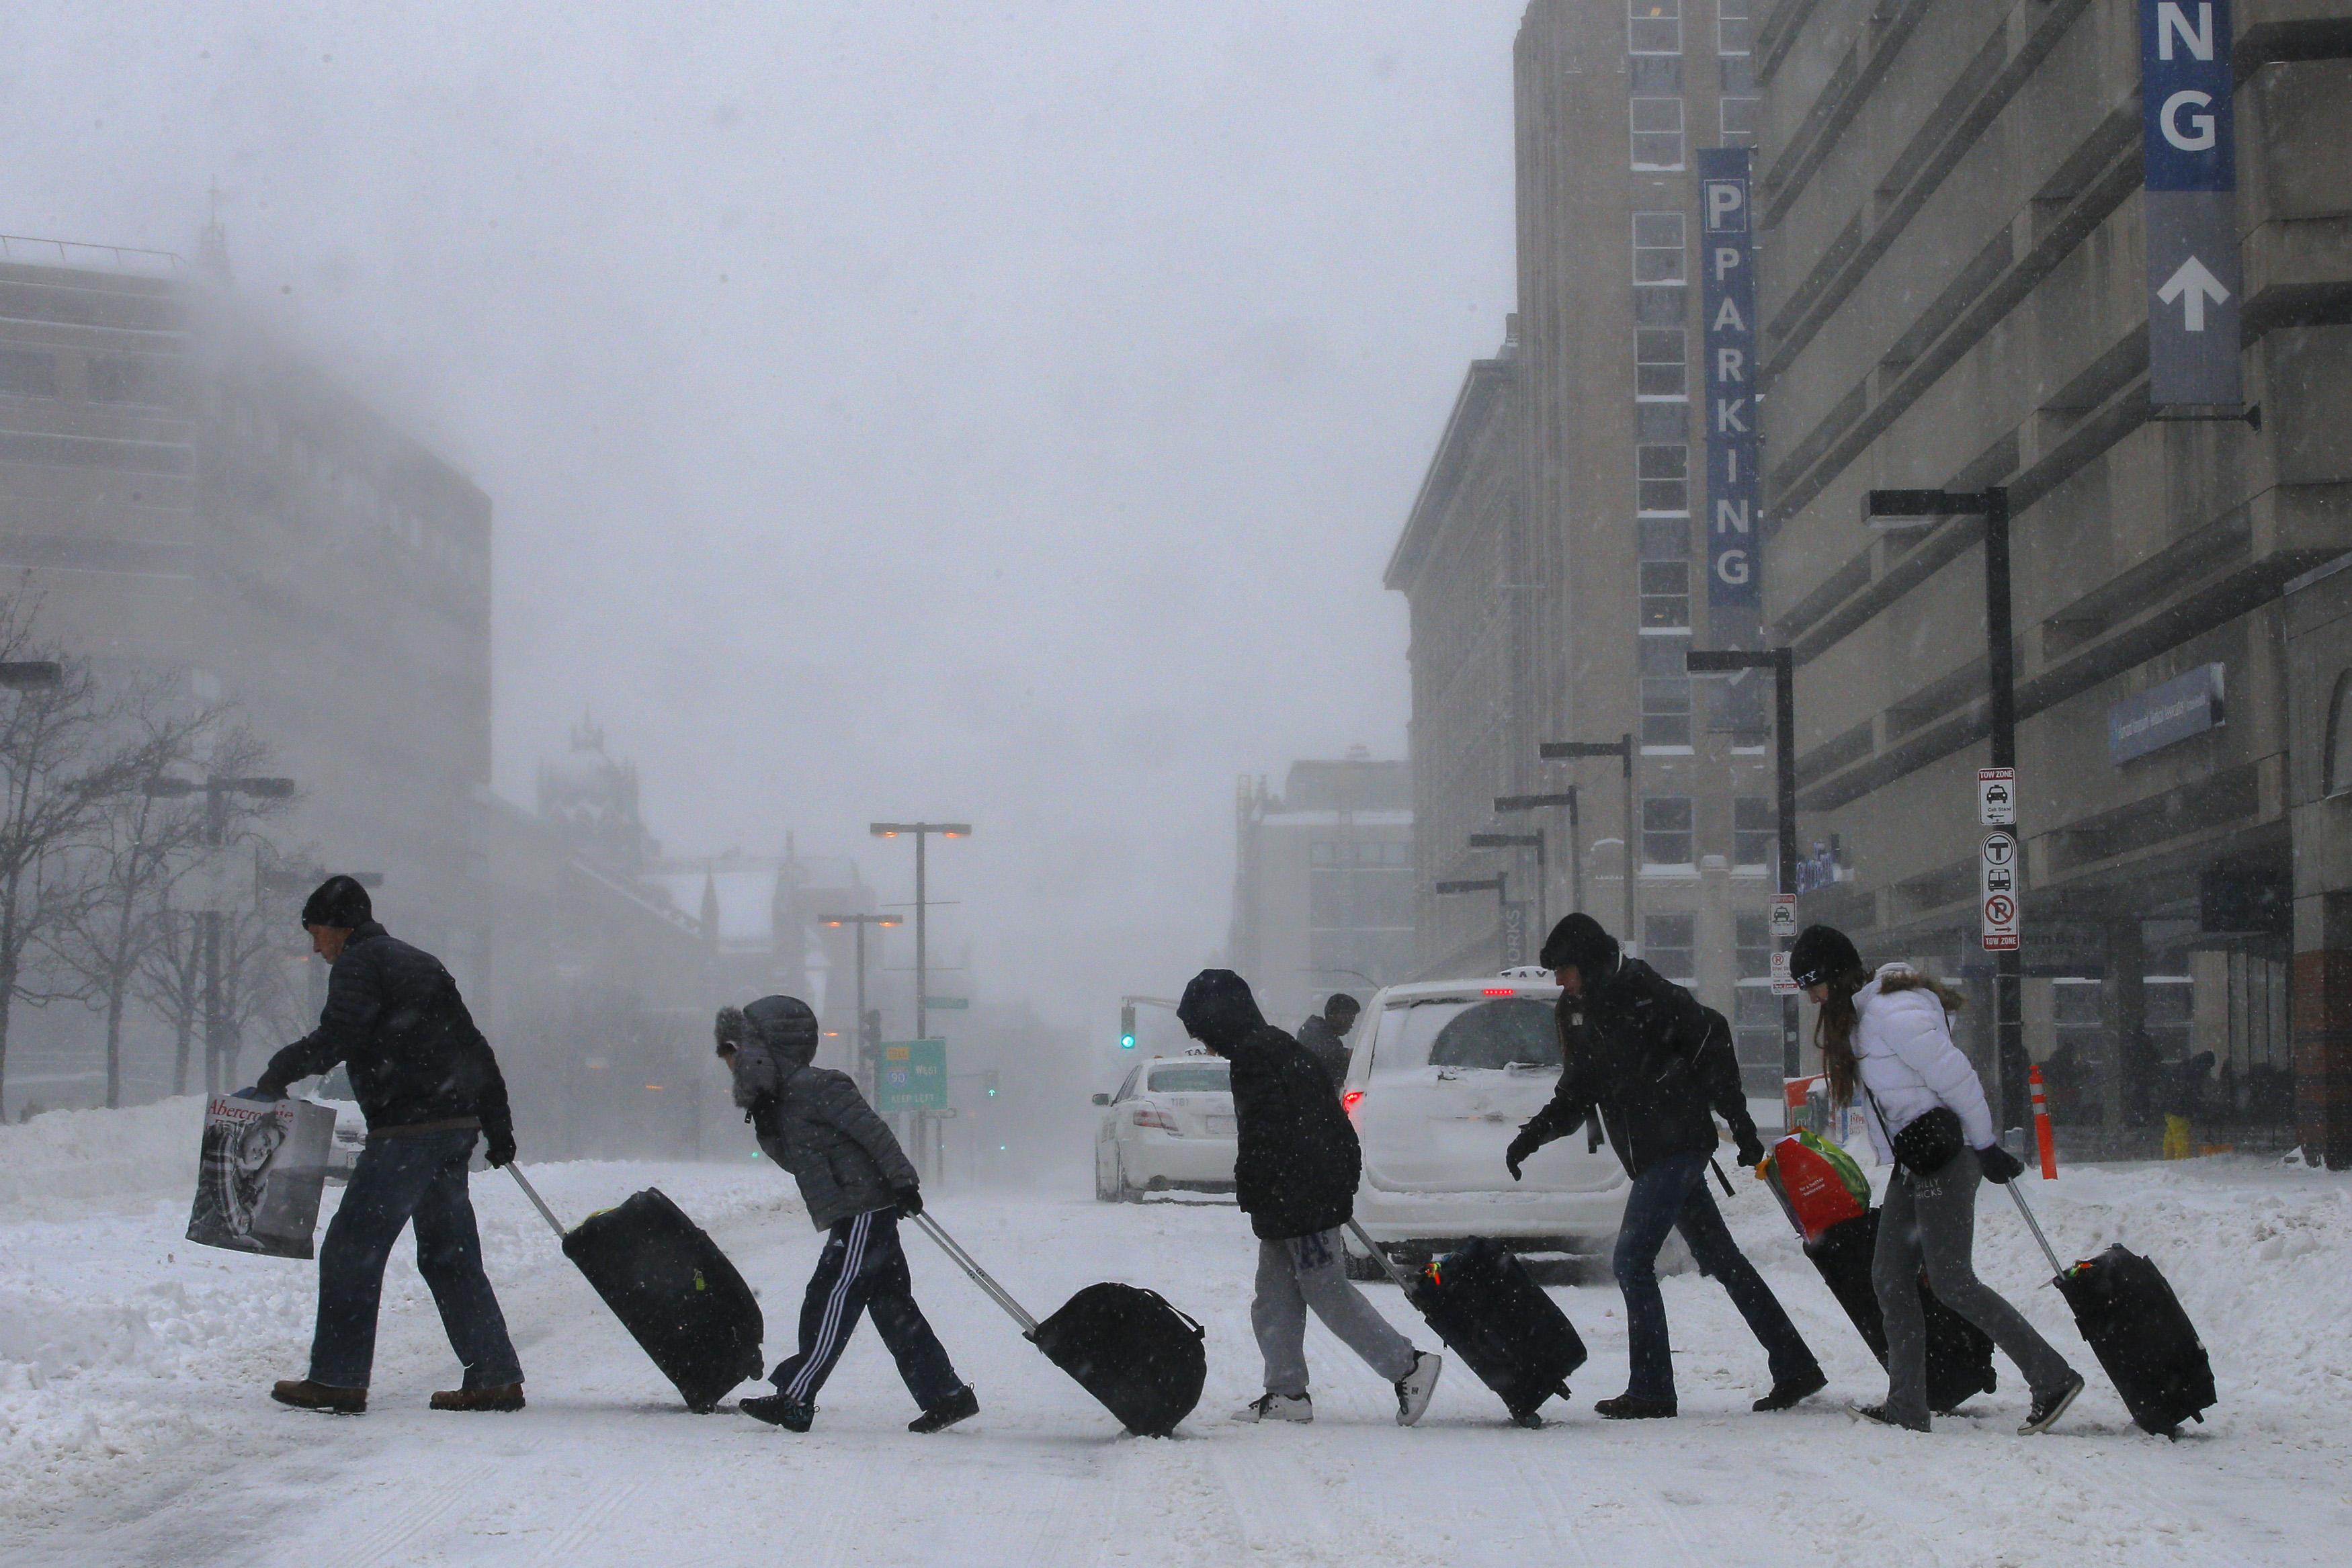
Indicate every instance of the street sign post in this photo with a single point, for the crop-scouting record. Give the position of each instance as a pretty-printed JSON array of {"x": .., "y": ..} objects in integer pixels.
[
  {"x": 2189, "y": 168},
  {"x": 1997, "y": 797},
  {"x": 1784, "y": 984},
  {"x": 1784, "y": 915},
  {"x": 947, "y": 1004},
  {"x": 1998, "y": 866},
  {"x": 913, "y": 1076}
]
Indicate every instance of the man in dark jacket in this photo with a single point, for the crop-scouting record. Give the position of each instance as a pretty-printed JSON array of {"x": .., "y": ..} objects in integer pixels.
[
  {"x": 856, "y": 1181},
  {"x": 1294, "y": 1171},
  {"x": 429, "y": 1086},
  {"x": 1643, "y": 1055},
  {"x": 1324, "y": 1036}
]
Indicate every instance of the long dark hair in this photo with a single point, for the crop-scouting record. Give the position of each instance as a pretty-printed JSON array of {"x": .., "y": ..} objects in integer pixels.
[{"x": 1833, "y": 1027}]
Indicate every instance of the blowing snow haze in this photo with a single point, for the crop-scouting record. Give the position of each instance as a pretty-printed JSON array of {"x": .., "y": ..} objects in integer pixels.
[{"x": 888, "y": 410}]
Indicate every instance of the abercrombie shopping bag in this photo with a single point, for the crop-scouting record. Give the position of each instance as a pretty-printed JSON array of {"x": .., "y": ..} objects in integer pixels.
[{"x": 259, "y": 1174}]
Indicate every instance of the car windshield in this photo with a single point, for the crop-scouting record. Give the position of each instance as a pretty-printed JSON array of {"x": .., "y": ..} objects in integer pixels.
[
  {"x": 1192, "y": 1078},
  {"x": 1460, "y": 1032}
]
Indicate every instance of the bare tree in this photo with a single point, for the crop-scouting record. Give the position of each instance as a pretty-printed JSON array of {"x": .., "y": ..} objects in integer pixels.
[{"x": 171, "y": 980}]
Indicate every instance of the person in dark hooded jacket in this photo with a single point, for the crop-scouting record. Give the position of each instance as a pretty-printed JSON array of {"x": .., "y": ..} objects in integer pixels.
[
  {"x": 1642, "y": 1053},
  {"x": 856, "y": 1182},
  {"x": 1324, "y": 1035},
  {"x": 1295, "y": 1170}
]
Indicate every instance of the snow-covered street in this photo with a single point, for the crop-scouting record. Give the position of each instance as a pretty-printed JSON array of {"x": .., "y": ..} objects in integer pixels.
[{"x": 135, "y": 1426}]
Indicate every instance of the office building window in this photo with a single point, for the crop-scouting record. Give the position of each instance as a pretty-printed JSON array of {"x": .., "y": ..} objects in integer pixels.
[
  {"x": 1662, "y": 481},
  {"x": 1657, "y": 133},
  {"x": 1738, "y": 117},
  {"x": 1666, "y": 832},
  {"x": 1658, "y": 256},
  {"x": 137, "y": 382},
  {"x": 1665, "y": 605},
  {"x": 1665, "y": 710},
  {"x": 1661, "y": 365},
  {"x": 1653, "y": 26},
  {"x": 1670, "y": 946},
  {"x": 27, "y": 375},
  {"x": 1755, "y": 832},
  {"x": 1735, "y": 33}
]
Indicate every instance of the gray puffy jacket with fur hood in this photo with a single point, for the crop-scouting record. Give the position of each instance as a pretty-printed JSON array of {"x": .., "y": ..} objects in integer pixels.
[{"x": 811, "y": 1120}]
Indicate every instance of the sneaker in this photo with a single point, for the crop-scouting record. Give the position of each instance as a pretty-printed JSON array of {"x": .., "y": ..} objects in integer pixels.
[
  {"x": 1278, "y": 1408},
  {"x": 780, "y": 1410},
  {"x": 960, "y": 1405},
  {"x": 508, "y": 1396},
  {"x": 2048, "y": 1407},
  {"x": 1793, "y": 1392},
  {"x": 1634, "y": 1407},
  {"x": 304, "y": 1395},
  {"x": 1414, "y": 1387},
  {"x": 1879, "y": 1414}
]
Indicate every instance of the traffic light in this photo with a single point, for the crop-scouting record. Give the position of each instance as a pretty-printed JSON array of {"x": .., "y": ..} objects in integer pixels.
[
  {"x": 1126, "y": 1026},
  {"x": 988, "y": 1081}
]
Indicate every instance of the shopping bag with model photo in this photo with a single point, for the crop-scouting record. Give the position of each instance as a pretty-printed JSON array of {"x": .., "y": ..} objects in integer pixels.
[{"x": 261, "y": 1170}]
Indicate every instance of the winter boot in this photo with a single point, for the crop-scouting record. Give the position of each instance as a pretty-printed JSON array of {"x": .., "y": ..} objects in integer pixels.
[
  {"x": 304, "y": 1395},
  {"x": 960, "y": 1405},
  {"x": 1414, "y": 1388},
  {"x": 1879, "y": 1414},
  {"x": 507, "y": 1397},
  {"x": 2048, "y": 1407},
  {"x": 1793, "y": 1392},
  {"x": 1278, "y": 1408},
  {"x": 780, "y": 1410},
  {"x": 1634, "y": 1407}
]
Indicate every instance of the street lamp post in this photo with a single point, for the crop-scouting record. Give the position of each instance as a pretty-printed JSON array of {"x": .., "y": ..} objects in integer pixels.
[
  {"x": 1783, "y": 665},
  {"x": 1504, "y": 805},
  {"x": 216, "y": 789},
  {"x": 1922, "y": 508},
  {"x": 922, "y": 832},
  {"x": 1534, "y": 840},
  {"x": 1623, "y": 749},
  {"x": 861, "y": 922},
  {"x": 1500, "y": 885}
]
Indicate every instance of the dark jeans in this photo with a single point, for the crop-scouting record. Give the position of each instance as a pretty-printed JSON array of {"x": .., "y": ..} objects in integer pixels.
[
  {"x": 862, "y": 1268},
  {"x": 1671, "y": 1195},
  {"x": 397, "y": 1180}
]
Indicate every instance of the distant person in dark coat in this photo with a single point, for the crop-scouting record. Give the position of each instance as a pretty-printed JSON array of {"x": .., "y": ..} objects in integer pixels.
[
  {"x": 1645, "y": 1056},
  {"x": 1295, "y": 1174},
  {"x": 1324, "y": 1036},
  {"x": 430, "y": 1087},
  {"x": 856, "y": 1182}
]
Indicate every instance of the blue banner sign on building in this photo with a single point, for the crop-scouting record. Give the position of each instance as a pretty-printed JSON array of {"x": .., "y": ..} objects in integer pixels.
[
  {"x": 2188, "y": 163},
  {"x": 2159, "y": 717},
  {"x": 1727, "y": 302}
]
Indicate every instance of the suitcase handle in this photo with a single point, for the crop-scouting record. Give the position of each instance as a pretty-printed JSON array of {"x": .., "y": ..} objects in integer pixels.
[
  {"x": 979, "y": 1276},
  {"x": 2033, "y": 1225},
  {"x": 1404, "y": 1280},
  {"x": 1190, "y": 1321},
  {"x": 537, "y": 1202}
]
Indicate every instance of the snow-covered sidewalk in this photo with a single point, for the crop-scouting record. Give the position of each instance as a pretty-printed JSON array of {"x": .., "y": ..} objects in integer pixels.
[{"x": 136, "y": 1424}]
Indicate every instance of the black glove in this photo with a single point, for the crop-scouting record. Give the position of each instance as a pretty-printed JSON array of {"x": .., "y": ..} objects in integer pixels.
[
  {"x": 256, "y": 1092},
  {"x": 498, "y": 1149},
  {"x": 1998, "y": 1164},
  {"x": 1523, "y": 1148},
  {"x": 1751, "y": 1148},
  {"x": 910, "y": 1199}
]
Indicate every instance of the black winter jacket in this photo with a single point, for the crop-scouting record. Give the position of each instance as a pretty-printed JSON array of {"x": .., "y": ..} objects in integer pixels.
[
  {"x": 812, "y": 1122},
  {"x": 1318, "y": 1039},
  {"x": 395, "y": 1018},
  {"x": 1297, "y": 1161},
  {"x": 1654, "y": 1061}
]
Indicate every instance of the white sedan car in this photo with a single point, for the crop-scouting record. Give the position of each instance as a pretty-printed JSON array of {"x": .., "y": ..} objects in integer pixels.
[
  {"x": 1439, "y": 1077},
  {"x": 1170, "y": 1124}
]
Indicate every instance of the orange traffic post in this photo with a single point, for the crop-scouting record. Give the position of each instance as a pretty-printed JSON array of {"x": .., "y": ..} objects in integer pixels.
[{"x": 2041, "y": 1125}]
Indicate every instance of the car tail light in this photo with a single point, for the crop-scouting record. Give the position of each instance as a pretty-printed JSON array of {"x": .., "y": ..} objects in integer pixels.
[
  {"x": 1152, "y": 1116},
  {"x": 1350, "y": 1099}
]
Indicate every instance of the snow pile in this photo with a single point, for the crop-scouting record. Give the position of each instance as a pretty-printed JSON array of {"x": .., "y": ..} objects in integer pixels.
[{"x": 68, "y": 1162}]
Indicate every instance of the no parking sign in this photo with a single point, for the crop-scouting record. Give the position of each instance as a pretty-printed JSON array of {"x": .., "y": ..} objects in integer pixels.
[{"x": 1998, "y": 868}]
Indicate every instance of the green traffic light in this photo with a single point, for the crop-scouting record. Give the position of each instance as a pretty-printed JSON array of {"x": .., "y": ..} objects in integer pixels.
[{"x": 1127, "y": 1042}]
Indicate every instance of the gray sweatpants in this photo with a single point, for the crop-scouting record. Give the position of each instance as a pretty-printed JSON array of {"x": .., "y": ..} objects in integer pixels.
[
  {"x": 1306, "y": 1271},
  {"x": 1935, "y": 1222}
]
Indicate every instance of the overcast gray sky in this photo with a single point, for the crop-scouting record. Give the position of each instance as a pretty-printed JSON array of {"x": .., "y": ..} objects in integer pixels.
[{"x": 1000, "y": 411}]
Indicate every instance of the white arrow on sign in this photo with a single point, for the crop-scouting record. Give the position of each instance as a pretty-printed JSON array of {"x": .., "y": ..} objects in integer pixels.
[{"x": 2192, "y": 286}]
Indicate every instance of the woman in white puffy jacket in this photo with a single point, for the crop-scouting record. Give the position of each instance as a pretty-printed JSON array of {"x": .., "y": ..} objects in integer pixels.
[{"x": 1886, "y": 1040}]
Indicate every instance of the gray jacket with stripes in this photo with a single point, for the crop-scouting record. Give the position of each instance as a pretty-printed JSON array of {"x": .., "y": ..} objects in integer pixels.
[{"x": 812, "y": 1122}]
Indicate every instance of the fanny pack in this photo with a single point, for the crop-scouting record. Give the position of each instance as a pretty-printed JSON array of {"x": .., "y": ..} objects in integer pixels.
[{"x": 1927, "y": 1143}]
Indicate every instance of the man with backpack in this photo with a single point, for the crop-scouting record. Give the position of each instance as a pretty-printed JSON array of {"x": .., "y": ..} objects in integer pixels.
[
  {"x": 856, "y": 1182},
  {"x": 1294, "y": 1171},
  {"x": 1642, "y": 1053}
]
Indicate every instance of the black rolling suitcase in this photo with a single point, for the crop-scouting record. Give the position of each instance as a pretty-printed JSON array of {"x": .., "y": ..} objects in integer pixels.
[
  {"x": 1959, "y": 1354},
  {"x": 2134, "y": 1325},
  {"x": 1482, "y": 1302},
  {"x": 672, "y": 1289},
  {"x": 1143, "y": 1359}
]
